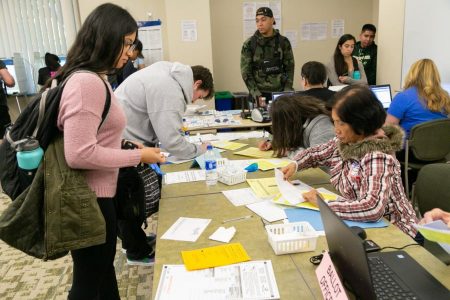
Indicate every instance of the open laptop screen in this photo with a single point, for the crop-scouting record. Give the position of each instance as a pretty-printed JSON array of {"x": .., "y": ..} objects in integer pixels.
[
  {"x": 347, "y": 252},
  {"x": 275, "y": 95},
  {"x": 383, "y": 93}
]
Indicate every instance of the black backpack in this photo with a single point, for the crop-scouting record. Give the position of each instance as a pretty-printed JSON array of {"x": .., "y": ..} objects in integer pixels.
[
  {"x": 138, "y": 191},
  {"x": 31, "y": 124}
]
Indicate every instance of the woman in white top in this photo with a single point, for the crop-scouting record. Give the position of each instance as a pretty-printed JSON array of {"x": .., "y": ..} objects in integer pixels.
[{"x": 343, "y": 67}]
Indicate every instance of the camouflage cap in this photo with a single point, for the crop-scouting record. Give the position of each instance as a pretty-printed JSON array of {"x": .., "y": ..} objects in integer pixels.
[{"x": 265, "y": 11}]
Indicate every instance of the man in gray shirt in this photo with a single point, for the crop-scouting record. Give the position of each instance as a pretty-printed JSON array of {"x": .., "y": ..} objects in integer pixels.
[{"x": 154, "y": 100}]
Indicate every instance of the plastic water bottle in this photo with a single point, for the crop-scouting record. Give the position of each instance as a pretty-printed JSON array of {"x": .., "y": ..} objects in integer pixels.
[
  {"x": 211, "y": 166},
  {"x": 29, "y": 155},
  {"x": 356, "y": 75},
  {"x": 184, "y": 128}
]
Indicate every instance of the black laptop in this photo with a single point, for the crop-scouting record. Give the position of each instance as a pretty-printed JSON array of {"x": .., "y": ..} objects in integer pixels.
[
  {"x": 377, "y": 275},
  {"x": 275, "y": 95},
  {"x": 383, "y": 94}
]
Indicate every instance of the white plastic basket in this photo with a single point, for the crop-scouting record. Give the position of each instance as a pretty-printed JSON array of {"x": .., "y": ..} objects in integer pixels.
[
  {"x": 230, "y": 178},
  {"x": 292, "y": 237}
]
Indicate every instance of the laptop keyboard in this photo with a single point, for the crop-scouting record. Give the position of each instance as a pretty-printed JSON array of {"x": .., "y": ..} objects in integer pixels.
[{"x": 386, "y": 283}]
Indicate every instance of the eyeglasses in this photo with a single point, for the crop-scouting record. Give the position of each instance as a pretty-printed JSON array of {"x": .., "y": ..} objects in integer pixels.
[
  {"x": 132, "y": 47},
  {"x": 130, "y": 44}
]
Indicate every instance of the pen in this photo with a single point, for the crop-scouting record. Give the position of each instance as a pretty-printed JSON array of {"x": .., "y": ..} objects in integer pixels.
[{"x": 237, "y": 219}]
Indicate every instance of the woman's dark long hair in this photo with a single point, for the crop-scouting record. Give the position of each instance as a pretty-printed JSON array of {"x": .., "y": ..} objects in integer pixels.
[
  {"x": 99, "y": 41},
  {"x": 289, "y": 114},
  {"x": 339, "y": 64}
]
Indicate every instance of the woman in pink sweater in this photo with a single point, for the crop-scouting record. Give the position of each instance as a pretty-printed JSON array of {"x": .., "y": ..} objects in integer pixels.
[{"x": 104, "y": 42}]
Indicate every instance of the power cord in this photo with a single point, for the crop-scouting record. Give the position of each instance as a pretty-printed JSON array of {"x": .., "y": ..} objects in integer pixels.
[
  {"x": 317, "y": 259},
  {"x": 399, "y": 248}
]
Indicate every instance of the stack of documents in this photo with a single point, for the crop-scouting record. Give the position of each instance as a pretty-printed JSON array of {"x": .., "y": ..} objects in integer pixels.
[
  {"x": 184, "y": 176},
  {"x": 438, "y": 232},
  {"x": 249, "y": 280}
]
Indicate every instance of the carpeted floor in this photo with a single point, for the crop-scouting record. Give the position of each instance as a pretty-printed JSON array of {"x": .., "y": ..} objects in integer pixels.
[{"x": 23, "y": 277}]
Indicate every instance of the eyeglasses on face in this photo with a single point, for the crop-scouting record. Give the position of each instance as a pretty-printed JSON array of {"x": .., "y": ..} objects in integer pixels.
[{"x": 130, "y": 44}]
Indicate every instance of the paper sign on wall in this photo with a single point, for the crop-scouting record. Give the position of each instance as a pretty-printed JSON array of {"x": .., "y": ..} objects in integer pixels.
[{"x": 330, "y": 284}]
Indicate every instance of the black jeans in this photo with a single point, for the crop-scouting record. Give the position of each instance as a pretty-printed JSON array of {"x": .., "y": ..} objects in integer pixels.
[
  {"x": 134, "y": 239},
  {"x": 94, "y": 276}
]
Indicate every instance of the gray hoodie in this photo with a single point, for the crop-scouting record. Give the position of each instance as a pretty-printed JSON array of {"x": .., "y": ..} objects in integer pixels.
[{"x": 154, "y": 100}]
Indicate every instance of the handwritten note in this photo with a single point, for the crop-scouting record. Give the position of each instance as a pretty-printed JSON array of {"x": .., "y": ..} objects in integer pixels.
[{"x": 330, "y": 284}]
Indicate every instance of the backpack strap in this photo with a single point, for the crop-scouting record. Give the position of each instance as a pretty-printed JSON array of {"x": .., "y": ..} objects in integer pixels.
[
  {"x": 107, "y": 105},
  {"x": 42, "y": 104}
]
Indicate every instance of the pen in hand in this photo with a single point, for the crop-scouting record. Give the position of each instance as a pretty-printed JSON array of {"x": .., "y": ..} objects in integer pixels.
[{"x": 237, "y": 219}]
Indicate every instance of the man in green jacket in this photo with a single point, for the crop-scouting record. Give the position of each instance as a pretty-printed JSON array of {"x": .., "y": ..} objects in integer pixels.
[
  {"x": 267, "y": 60},
  {"x": 366, "y": 51}
]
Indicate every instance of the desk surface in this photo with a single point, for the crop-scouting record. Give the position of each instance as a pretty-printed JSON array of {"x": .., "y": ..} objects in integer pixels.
[
  {"x": 250, "y": 233},
  {"x": 294, "y": 273},
  {"x": 312, "y": 177}
]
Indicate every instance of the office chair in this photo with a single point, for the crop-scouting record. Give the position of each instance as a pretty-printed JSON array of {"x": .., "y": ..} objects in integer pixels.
[
  {"x": 432, "y": 190},
  {"x": 429, "y": 142}
]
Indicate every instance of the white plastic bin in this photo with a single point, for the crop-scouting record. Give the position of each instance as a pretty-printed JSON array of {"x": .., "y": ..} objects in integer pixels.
[{"x": 292, "y": 237}]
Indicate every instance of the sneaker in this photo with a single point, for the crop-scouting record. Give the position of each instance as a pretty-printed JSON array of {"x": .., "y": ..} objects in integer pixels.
[{"x": 146, "y": 261}]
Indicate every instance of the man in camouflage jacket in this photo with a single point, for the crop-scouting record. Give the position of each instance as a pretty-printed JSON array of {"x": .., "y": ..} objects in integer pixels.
[{"x": 267, "y": 61}]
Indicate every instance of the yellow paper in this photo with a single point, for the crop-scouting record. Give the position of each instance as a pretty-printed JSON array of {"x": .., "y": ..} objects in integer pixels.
[
  {"x": 228, "y": 145},
  {"x": 214, "y": 256},
  {"x": 264, "y": 187},
  {"x": 264, "y": 164},
  {"x": 255, "y": 152},
  {"x": 278, "y": 199}
]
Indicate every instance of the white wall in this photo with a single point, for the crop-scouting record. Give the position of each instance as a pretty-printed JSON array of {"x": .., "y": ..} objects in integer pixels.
[
  {"x": 220, "y": 36},
  {"x": 137, "y": 8},
  {"x": 191, "y": 53},
  {"x": 426, "y": 35},
  {"x": 227, "y": 33},
  {"x": 390, "y": 42}
]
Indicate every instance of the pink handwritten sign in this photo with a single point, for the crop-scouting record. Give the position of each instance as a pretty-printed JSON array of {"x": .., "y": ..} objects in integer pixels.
[{"x": 329, "y": 281}]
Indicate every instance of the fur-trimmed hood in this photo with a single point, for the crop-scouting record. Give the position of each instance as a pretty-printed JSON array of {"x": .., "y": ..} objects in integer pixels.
[{"x": 389, "y": 144}]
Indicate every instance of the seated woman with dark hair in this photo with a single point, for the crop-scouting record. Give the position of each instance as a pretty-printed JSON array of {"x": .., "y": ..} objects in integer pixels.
[
  {"x": 362, "y": 162},
  {"x": 343, "y": 68},
  {"x": 52, "y": 66},
  {"x": 298, "y": 122}
]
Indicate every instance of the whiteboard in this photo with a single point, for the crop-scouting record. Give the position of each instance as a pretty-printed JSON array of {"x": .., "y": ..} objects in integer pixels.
[{"x": 426, "y": 35}]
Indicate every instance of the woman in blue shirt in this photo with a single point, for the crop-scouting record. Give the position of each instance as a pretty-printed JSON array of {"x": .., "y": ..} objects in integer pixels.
[{"x": 423, "y": 98}]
